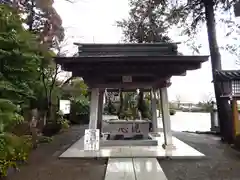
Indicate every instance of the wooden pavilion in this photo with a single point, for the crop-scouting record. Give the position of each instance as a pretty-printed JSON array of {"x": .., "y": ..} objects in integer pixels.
[
  {"x": 229, "y": 81},
  {"x": 130, "y": 66}
]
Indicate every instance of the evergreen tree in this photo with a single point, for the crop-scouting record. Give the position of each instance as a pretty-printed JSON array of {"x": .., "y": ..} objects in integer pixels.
[
  {"x": 146, "y": 22},
  {"x": 19, "y": 59}
]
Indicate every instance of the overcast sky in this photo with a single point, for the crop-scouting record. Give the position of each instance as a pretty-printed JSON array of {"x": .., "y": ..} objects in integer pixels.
[{"x": 90, "y": 21}]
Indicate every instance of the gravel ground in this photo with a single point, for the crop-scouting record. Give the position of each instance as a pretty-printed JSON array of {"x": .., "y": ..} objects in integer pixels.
[
  {"x": 44, "y": 163},
  {"x": 221, "y": 162}
]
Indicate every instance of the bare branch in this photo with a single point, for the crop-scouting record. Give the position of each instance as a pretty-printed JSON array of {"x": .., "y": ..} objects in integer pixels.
[
  {"x": 71, "y": 1},
  {"x": 67, "y": 81}
]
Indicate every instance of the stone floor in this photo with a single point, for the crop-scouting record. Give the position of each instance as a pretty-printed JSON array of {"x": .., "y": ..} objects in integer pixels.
[{"x": 182, "y": 150}]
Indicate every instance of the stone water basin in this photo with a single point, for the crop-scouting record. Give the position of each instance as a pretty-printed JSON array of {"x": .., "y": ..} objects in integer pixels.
[{"x": 128, "y": 128}]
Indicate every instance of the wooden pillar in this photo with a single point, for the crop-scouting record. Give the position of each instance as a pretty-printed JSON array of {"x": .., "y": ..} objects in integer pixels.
[
  {"x": 100, "y": 110},
  {"x": 236, "y": 122},
  {"x": 159, "y": 104},
  {"x": 166, "y": 119},
  {"x": 94, "y": 108}
]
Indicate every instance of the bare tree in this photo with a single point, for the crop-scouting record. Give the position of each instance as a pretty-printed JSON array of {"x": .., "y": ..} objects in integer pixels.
[
  {"x": 178, "y": 100},
  {"x": 207, "y": 98},
  {"x": 50, "y": 78}
]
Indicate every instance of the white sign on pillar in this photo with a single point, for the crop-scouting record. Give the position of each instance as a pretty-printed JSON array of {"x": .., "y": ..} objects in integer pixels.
[{"x": 91, "y": 140}]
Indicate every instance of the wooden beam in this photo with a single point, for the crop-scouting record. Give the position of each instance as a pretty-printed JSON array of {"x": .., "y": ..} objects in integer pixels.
[
  {"x": 132, "y": 58},
  {"x": 127, "y": 90},
  {"x": 162, "y": 83},
  {"x": 116, "y": 70},
  {"x": 130, "y": 86},
  {"x": 134, "y": 71},
  {"x": 133, "y": 85},
  {"x": 113, "y": 66},
  {"x": 125, "y": 86},
  {"x": 158, "y": 44}
]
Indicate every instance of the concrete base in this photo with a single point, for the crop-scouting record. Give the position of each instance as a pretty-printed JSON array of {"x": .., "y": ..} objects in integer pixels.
[
  {"x": 215, "y": 129},
  {"x": 105, "y": 143},
  {"x": 182, "y": 151},
  {"x": 169, "y": 147},
  {"x": 153, "y": 135}
]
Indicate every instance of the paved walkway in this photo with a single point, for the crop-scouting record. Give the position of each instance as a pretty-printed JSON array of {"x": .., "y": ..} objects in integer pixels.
[
  {"x": 45, "y": 165},
  {"x": 222, "y": 162}
]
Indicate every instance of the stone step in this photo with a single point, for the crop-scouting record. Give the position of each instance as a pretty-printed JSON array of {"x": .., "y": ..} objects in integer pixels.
[
  {"x": 134, "y": 169},
  {"x": 148, "y": 168},
  {"x": 104, "y": 143},
  {"x": 120, "y": 169}
]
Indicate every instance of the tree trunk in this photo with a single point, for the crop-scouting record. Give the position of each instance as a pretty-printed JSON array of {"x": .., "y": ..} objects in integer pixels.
[
  {"x": 33, "y": 126},
  {"x": 223, "y": 106}
]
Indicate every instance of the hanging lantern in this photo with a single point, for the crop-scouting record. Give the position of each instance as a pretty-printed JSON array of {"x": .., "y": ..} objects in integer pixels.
[{"x": 237, "y": 9}]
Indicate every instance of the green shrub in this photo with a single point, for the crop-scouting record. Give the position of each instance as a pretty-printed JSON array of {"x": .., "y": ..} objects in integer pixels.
[
  {"x": 127, "y": 114},
  {"x": 13, "y": 150},
  {"x": 54, "y": 127},
  {"x": 80, "y": 110},
  {"x": 51, "y": 128},
  {"x": 105, "y": 110},
  {"x": 9, "y": 115},
  {"x": 44, "y": 139},
  {"x": 81, "y": 105},
  {"x": 21, "y": 129},
  {"x": 143, "y": 107},
  {"x": 111, "y": 109},
  {"x": 63, "y": 122}
]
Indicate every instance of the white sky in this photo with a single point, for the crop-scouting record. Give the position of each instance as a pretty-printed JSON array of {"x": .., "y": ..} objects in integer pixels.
[{"x": 89, "y": 21}]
